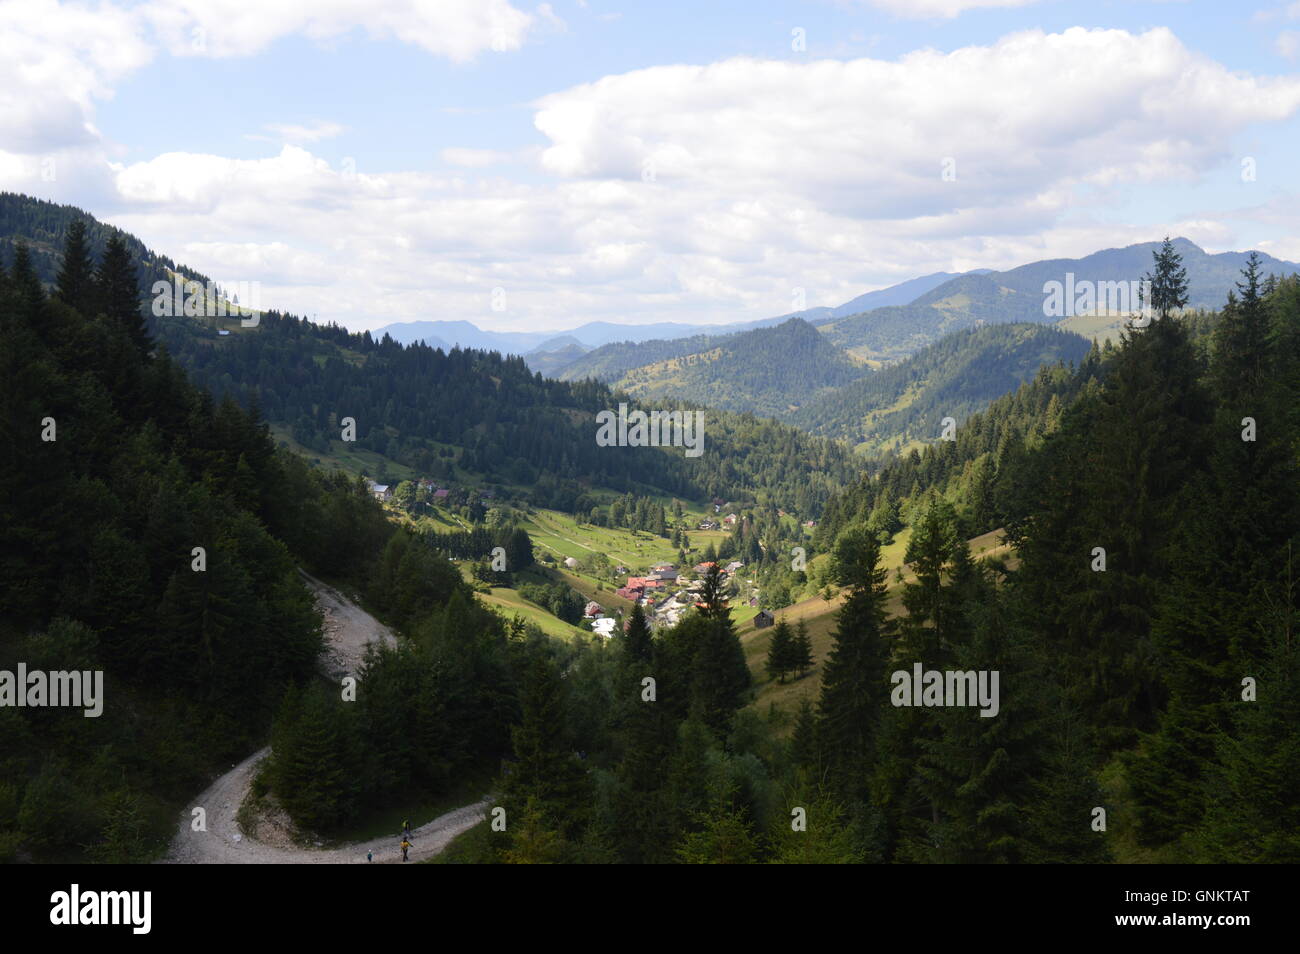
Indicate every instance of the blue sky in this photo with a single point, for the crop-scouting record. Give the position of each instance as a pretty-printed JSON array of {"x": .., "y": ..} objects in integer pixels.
[{"x": 398, "y": 160}]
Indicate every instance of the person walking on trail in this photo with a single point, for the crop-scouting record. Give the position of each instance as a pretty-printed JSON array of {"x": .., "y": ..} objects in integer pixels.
[
  {"x": 406, "y": 846},
  {"x": 370, "y": 855}
]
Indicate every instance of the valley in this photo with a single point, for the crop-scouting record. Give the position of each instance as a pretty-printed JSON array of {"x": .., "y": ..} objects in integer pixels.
[{"x": 644, "y": 652}]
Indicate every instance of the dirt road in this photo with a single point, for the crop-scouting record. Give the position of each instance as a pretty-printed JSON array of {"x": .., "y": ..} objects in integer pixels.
[{"x": 348, "y": 630}]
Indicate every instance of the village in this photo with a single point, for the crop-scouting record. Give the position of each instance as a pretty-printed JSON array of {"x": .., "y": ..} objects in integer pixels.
[{"x": 667, "y": 594}]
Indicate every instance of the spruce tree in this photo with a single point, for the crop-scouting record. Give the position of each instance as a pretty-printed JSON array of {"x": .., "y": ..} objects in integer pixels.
[
  {"x": 801, "y": 654},
  {"x": 1252, "y": 815},
  {"x": 119, "y": 293},
  {"x": 854, "y": 684},
  {"x": 1240, "y": 340},
  {"x": 546, "y": 777},
  {"x": 780, "y": 651},
  {"x": 76, "y": 279},
  {"x": 1167, "y": 281},
  {"x": 637, "y": 639}
]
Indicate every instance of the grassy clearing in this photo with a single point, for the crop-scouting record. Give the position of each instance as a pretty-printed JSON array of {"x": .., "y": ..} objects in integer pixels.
[
  {"x": 509, "y": 603},
  {"x": 819, "y": 616},
  {"x": 1095, "y": 327},
  {"x": 343, "y": 456}
]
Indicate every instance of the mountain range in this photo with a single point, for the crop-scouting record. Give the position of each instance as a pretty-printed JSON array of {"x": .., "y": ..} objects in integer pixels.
[{"x": 879, "y": 371}]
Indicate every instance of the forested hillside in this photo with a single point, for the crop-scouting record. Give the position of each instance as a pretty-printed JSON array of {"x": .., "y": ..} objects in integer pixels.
[
  {"x": 43, "y": 227},
  {"x": 463, "y": 414},
  {"x": 477, "y": 414},
  {"x": 954, "y": 377},
  {"x": 119, "y": 469},
  {"x": 768, "y": 372},
  {"x": 1146, "y": 498},
  {"x": 1147, "y": 702},
  {"x": 160, "y": 546},
  {"x": 1018, "y": 295},
  {"x": 610, "y": 362}
]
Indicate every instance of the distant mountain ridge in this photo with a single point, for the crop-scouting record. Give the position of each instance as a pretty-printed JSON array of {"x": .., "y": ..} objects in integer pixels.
[
  {"x": 597, "y": 334},
  {"x": 1017, "y": 295},
  {"x": 954, "y": 377},
  {"x": 767, "y": 371}
]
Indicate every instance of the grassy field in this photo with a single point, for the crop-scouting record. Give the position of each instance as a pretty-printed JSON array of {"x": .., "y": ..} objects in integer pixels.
[
  {"x": 509, "y": 603},
  {"x": 1095, "y": 327},
  {"x": 562, "y": 536},
  {"x": 819, "y": 616},
  {"x": 344, "y": 456}
]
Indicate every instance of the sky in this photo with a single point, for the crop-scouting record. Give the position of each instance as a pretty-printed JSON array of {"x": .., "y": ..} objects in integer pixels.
[{"x": 537, "y": 166}]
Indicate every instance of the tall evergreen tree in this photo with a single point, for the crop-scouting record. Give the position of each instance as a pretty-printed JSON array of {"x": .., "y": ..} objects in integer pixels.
[
  {"x": 801, "y": 654},
  {"x": 546, "y": 774},
  {"x": 637, "y": 639},
  {"x": 854, "y": 684},
  {"x": 76, "y": 278},
  {"x": 1167, "y": 281},
  {"x": 780, "y": 651},
  {"x": 119, "y": 293}
]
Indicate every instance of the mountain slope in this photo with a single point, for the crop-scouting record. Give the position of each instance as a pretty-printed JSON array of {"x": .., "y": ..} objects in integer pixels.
[
  {"x": 1017, "y": 295},
  {"x": 904, "y": 293},
  {"x": 954, "y": 377},
  {"x": 766, "y": 372},
  {"x": 463, "y": 415},
  {"x": 43, "y": 226}
]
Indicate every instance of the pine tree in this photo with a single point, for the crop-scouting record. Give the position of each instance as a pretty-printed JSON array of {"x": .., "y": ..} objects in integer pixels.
[
  {"x": 713, "y": 603},
  {"x": 76, "y": 279},
  {"x": 1240, "y": 340},
  {"x": 26, "y": 285},
  {"x": 545, "y": 774},
  {"x": 934, "y": 619},
  {"x": 854, "y": 685},
  {"x": 1167, "y": 281},
  {"x": 1253, "y": 816},
  {"x": 637, "y": 639},
  {"x": 801, "y": 654},
  {"x": 119, "y": 293},
  {"x": 780, "y": 651},
  {"x": 720, "y": 678}
]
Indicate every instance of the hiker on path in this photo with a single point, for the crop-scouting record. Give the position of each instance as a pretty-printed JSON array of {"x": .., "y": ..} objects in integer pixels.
[
  {"x": 406, "y": 846},
  {"x": 370, "y": 855}
]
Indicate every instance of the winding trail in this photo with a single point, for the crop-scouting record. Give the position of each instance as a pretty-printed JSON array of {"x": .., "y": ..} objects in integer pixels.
[{"x": 348, "y": 631}]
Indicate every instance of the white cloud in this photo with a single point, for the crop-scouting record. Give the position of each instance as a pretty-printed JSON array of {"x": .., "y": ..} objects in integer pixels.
[
  {"x": 1021, "y": 118},
  {"x": 763, "y": 176},
  {"x": 55, "y": 61},
  {"x": 457, "y": 29}
]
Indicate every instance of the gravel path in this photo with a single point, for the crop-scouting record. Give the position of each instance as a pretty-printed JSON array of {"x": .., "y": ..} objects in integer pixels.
[{"x": 348, "y": 630}]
